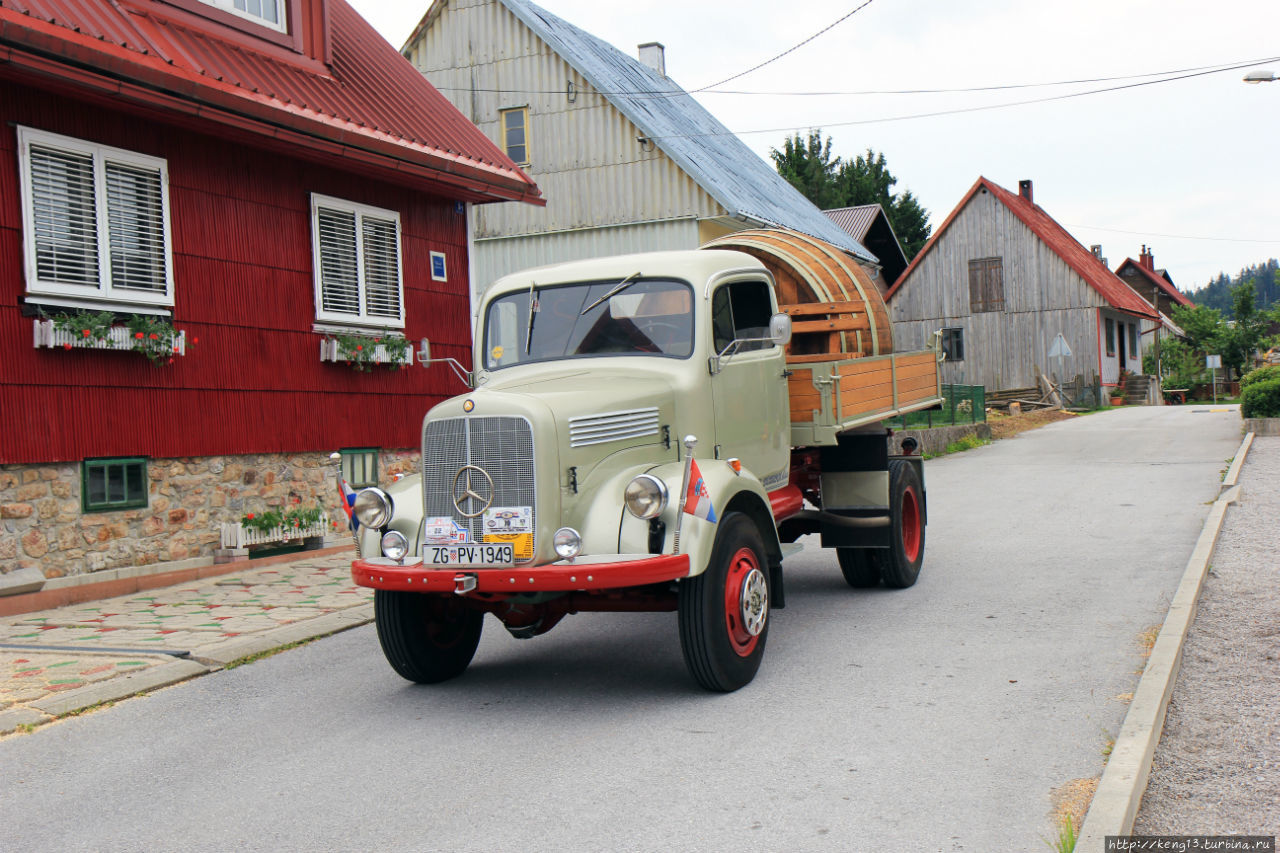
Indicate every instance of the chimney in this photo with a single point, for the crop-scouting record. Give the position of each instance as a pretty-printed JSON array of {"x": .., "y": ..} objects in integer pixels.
[
  {"x": 1024, "y": 190},
  {"x": 1096, "y": 249},
  {"x": 1147, "y": 260},
  {"x": 654, "y": 55}
]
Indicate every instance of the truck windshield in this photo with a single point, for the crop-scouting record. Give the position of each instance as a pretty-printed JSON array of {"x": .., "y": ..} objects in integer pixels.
[{"x": 644, "y": 316}]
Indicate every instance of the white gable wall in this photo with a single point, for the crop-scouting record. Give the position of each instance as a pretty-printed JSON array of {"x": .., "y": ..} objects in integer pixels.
[{"x": 585, "y": 155}]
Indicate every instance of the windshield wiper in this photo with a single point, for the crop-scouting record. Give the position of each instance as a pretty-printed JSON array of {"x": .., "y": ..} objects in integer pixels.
[
  {"x": 617, "y": 288},
  {"x": 533, "y": 309}
]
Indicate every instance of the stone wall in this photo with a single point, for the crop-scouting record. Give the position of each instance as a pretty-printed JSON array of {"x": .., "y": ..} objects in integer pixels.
[{"x": 42, "y": 525}]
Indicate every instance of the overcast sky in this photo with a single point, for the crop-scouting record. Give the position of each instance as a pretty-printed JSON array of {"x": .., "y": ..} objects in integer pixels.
[{"x": 1191, "y": 158}]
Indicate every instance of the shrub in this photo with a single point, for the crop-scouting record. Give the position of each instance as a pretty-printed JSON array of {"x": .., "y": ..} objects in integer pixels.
[
  {"x": 1261, "y": 399},
  {"x": 1269, "y": 373}
]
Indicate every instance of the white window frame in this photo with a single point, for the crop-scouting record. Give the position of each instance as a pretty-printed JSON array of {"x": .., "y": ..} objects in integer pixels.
[
  {"x": 340, "y": 319},
  {"x": 74, "y": 295},
  {"x": 229, "y": 6}
]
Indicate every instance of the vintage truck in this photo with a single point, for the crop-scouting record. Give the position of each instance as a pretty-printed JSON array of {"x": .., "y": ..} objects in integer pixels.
[{"x": 653, "y": 432}]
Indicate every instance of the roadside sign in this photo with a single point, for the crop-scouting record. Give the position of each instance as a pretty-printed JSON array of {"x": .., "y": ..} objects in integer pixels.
[
  {"x": 1212, "y": 361},
  {"x": 1059, "y": 348}
]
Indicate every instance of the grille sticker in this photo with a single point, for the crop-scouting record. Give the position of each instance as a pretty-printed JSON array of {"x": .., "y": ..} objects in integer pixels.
[
  {"x": 521, "y": 543},
  {"x": 508, "y": 519},
  {"x": 443, "y": 530}
]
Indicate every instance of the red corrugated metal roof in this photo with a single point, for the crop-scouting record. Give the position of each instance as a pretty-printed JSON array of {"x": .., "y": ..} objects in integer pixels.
[
  {"x": 855, "y": 220},
  {"x": 369, "y": 98},
  {"x": 1156, "y": 279},
  {"x": 1095, "y": 273}
]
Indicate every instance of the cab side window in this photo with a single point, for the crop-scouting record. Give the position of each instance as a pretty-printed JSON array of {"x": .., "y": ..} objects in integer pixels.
[{"x": 741, "y": 310}]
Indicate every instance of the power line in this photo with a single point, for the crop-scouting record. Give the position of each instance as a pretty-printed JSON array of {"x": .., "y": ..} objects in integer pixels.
[
  {"x": 791, "y": 49},
  {"x": 960, "y": 110},
  {"x": 677, "y": 93},
  {"x": 1171, "y": 236}
]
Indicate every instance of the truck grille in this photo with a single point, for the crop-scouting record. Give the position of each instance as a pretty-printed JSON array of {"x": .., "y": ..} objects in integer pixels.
[
  {"x": 613, "y": 426},
  {"x": 501, "y": 446}
]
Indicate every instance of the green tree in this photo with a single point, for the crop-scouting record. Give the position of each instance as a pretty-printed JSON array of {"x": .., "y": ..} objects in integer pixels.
[
  {"x": 835, "y": 182},
  {"x": 808, "y": 166}
]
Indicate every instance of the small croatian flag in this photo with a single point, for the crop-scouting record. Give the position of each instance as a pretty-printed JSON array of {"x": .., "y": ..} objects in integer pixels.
[
  {"x": 698, "y": 500},
  {"x": 348, "y": 502}
]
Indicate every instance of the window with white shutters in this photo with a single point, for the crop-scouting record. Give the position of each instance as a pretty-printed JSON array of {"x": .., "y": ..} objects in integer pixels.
[
  {"x": 95, "y": 222},
  {"x": 357, "y": 264}
]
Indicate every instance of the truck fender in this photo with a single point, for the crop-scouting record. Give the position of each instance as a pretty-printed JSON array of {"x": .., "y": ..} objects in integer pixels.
[{"x": 730, "y": 492}]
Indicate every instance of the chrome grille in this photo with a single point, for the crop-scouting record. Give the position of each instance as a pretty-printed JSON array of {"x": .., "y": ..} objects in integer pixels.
[
  {"x": 612, "y": 426},
  {"x": 502, "y": 446}
]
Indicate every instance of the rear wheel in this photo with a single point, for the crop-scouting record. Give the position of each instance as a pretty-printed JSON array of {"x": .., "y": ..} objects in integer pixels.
[
  {"x": 724, "y": 612},
  {"x": 859, "y": 566},
  {"x": 426, "y": 638},
  {"x": 900, "y": 565}
]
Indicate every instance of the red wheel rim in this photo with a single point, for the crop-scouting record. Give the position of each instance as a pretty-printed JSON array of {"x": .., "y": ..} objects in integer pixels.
[
  {"x": 910, "y": 525},
  {"x": 746, "y": 602}
]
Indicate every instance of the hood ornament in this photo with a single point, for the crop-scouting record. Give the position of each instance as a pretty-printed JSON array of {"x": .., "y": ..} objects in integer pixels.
[{"x": 472, "y": 486}]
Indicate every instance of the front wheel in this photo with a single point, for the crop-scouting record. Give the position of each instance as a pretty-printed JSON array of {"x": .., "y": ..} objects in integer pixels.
[
  {"x": 900, "y": 565},
  {"x": 426, "y": 638},
  {"x": 724, "y": 612}
]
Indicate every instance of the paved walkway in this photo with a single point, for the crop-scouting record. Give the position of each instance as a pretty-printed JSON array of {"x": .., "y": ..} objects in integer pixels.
[{"x": 55, "y": 662}]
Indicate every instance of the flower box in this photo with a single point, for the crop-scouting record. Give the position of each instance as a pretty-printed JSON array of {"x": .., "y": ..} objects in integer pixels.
[
  {"x": 236, "y": 535},
  {"x": 330, "y": 351},
  {"x": 47, "y": 335}
]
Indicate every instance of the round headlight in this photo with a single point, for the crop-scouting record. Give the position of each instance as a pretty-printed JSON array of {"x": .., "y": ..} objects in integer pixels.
[
  {"x": 567, "y": 543},
  {"x": 373, "y": 507},
  {"x": 394, "y": 545},
  {"x": 646, "y": 496}
]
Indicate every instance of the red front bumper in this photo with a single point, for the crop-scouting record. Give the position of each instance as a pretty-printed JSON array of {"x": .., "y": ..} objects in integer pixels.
[{"x": 381, "y": 573}]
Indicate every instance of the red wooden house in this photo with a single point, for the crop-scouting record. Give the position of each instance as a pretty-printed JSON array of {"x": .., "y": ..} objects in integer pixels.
[{"x": 263, "y": 185}]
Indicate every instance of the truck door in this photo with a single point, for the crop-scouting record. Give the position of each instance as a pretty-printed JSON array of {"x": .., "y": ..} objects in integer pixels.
[{"x": 749, "y": 392}]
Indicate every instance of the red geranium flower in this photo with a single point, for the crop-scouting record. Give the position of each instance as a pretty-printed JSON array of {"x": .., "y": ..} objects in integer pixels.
[
  {"x": 139, "y": 335},
  {"x": 195, "y": 340},
  {"x": 86, "y": 332},
  {"x": 359, "y": 347},
  {"x": 66, "y": 346},
  {"x": 250, "y": 516},
  {"x": 154, "y": 336}
]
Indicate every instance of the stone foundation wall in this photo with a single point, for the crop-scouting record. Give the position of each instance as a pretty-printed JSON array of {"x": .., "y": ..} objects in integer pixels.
[{"x": 42, "y": 525}]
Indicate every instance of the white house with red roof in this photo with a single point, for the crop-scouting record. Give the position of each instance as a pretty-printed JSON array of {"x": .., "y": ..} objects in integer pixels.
[
  {"x": 999, "y": 280},
  {"x": 265, "y": 197}
]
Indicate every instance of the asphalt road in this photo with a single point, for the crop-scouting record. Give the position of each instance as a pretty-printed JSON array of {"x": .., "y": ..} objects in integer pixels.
[{"x": 936, "y": 718}]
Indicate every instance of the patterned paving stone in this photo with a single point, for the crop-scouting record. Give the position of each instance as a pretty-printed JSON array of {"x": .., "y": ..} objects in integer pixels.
[{"x": 27, "y": 677}]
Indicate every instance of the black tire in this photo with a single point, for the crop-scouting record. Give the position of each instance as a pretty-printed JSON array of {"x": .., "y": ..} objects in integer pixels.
[
  {"x": 859, "y": 566},
  {"x": 900, "y": 564},
  {"x": 724, "y": 612},
  {"x": 426, "y": 638}
]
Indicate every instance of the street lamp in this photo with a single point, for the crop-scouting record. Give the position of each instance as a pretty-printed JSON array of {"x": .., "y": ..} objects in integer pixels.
[{"x": 1263, "y": 76}]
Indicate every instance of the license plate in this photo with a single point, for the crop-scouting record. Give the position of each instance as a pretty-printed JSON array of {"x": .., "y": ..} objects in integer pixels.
[{"x": 470, "y": 555}]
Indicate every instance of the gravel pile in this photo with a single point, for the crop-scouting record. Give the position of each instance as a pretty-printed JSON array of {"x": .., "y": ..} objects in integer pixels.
[{"x": 1217, "y": 768}]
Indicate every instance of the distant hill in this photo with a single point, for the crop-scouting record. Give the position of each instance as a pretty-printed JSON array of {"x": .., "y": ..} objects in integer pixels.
[{"x": 1217, "y": 293}]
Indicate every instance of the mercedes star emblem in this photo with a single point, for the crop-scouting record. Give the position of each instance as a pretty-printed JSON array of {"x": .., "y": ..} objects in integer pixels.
[{"x": 464, "y": 490}]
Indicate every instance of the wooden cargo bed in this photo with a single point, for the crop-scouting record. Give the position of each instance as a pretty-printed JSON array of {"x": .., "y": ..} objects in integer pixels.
[{"x": 840, "y": 393}]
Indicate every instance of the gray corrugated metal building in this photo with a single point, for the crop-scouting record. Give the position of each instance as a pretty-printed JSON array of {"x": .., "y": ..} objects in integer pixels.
[{"x": 625, "y": 158}]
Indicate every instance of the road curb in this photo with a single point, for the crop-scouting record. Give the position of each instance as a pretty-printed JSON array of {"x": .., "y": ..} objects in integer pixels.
[
  {"x": 1124, "y": 781},
  {"x": 171, "y": 672},
  {"x": 330, "y": 623},
  {"x": 119, "y": 688}
]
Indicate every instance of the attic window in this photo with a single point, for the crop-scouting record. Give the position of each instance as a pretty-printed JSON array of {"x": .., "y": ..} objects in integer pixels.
[
  {"x": 515, "y": 134},
  {"x": 986, "y": 285},
  {"x": 269, "y": 13}
]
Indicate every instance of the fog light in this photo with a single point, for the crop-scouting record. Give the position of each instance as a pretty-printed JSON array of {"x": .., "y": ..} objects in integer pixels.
[
  {"x": 567, "y": 543},
  {"x": 394, "y": 545},
  {"x": 373, "y": 507},
  {"x": 646, "y": 496}
]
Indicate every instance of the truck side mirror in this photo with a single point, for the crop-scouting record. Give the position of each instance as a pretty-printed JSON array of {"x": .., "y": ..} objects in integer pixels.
[{"x": 780, "y": 329}]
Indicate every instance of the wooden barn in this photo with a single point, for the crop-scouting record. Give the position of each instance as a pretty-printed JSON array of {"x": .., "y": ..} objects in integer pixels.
[
  {"x": 627, "y": 160},
  {"x": 999, "y": 280},
  {"x": 221, "y": 233}
]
